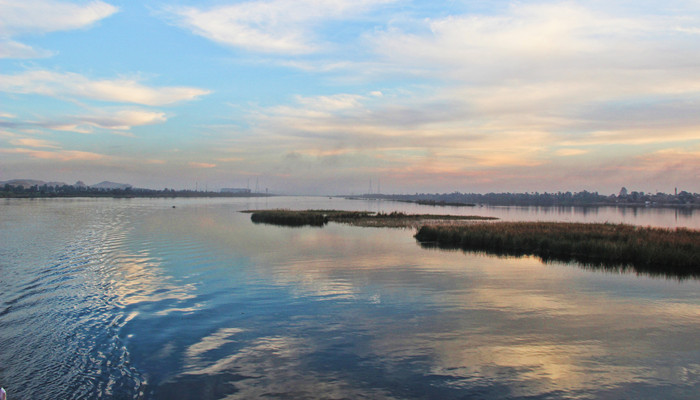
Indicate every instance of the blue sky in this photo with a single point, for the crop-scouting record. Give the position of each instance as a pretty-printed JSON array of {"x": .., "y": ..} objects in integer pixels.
[{"x": 314, "y": 96}]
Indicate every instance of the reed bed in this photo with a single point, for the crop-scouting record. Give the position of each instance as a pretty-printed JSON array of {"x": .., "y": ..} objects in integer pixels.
[
  {"x": 358, "y": 218},
  {"x": 646, "y": 249},
  {"x": 288, "y": 218}
]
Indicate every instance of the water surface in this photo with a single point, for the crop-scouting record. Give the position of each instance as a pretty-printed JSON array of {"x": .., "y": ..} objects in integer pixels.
[{"x": 135, "y": 299}]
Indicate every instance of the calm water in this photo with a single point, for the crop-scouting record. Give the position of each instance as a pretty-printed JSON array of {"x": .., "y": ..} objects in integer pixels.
[{"x": 135, "y": 299}]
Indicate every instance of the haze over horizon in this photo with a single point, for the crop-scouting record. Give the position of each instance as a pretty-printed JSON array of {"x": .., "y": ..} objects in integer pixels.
[{"x": 321, "y": 96}]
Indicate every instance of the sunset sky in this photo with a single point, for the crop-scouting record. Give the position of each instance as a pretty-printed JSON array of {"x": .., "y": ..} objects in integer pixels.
[{"x": 322, "y": 96}]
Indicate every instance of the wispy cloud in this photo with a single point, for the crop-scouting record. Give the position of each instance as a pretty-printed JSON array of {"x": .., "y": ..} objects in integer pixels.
[
  {"x": 13, "y": 49},
  {"x": 568, "y": 152},
  {"x": 58, "y": 155},
  {"x": 518, "y": 95},
  {"x": 32, "y": 142},
  {"x": 392, "y": 132},
  {"x": 119, "y": 120},
  {"x": 273, "y": 26},
  {"x": 515, "y": 94},
  {"x": 548, "y": 52},
  {"x": 42, "y": 16},
  {"x": 123, "y": 90},
  {"x": 112, "y": 120},
  {"x": 679, "y": 160},
  {"x": 201, "y": 165}
]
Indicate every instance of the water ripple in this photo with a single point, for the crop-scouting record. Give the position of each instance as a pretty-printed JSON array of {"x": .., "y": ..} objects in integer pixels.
[{"x": 61, "y": 325}]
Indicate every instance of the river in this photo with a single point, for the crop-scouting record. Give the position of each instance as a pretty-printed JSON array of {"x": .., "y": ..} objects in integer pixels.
[{"x": 188, "y": 299}]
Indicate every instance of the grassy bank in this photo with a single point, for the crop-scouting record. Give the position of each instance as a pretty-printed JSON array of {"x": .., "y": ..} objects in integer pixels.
[
  {"x": 649, "y": 250},
  {"x": 359, "y": 218}
]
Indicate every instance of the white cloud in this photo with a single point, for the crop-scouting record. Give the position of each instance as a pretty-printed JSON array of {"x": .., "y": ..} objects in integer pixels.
[
  {"x": 125, "y": 119},
  {"x": 577, "y": 74},
  {"x": 120, "y": 120},
  {"x": 115, "y": 120},
  {"x": 12, "y": 49},
  {"x": 547, "y": 60},
  {"x": 273, "y": 26},
  {"x": 43, "y": 16},
  {"x": 535, "y": 43},
  {"x": 68, "y": 84},
  {"x": 31, "y": 16},
  {"x": 331, "y": 103}
]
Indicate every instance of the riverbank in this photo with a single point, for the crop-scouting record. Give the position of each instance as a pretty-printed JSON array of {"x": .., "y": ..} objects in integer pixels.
[{"x": 649, "y": 250}]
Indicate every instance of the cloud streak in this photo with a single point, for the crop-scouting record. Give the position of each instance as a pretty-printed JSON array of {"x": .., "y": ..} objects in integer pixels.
[
  {"x": 112, "y": 120},
  {"x": 67, "y": 84},
  {"x": 201, "y": 165},
  {"x": 43, "y": 16},
  {"x": 273, "y": 26},
  {"x": 121, "y": 120},
  {"x": 58, "y": 155},
  {"x": 31, "y": 142}
]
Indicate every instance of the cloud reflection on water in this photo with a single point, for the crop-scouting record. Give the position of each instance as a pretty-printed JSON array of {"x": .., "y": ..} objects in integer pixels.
[{"x": 384, "y": 305}]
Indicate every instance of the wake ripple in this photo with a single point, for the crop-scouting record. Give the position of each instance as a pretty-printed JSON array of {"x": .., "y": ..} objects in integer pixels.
[{"x": 61, "y": 322}]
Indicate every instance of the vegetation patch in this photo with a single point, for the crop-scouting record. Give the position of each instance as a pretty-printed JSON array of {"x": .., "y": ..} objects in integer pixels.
[
  {"x": 359, "y": 218},
  {"x": 439, "y": 203},
  {"x": 286, "y": 218},
  {"x": 648, "y": 250}
]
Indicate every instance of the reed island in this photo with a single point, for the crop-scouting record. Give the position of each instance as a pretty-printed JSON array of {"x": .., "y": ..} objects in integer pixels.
[
  {"x": 358, "y": 218},
  {"x": 655, "y": 251}
]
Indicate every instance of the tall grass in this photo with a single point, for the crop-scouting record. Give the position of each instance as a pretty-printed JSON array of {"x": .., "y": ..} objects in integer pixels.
[{"x": 649, "y": 250}]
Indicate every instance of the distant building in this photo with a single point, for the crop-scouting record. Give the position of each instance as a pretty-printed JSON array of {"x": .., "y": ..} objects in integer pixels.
[
  {"x": 235, "y": 190},
  {"x": 106, "y": 185}
]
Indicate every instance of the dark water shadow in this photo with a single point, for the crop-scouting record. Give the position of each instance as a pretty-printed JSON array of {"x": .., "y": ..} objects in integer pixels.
[{"x": 589, "y": 262}]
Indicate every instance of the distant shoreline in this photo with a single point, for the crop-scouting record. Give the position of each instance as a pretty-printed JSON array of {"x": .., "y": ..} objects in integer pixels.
[
  {"x": 117, "y": 196},
  {"x": 530, "y": 203},
  {"x": 122, "y": 194},
  {"x": 134, "y": 193}
]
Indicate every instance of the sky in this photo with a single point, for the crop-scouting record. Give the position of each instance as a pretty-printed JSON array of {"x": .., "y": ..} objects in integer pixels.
[{"x": 332, "y": 96}]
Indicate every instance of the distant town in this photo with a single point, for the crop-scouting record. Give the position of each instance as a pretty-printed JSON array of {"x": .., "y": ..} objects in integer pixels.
[
  {"x": 29, "y": 188},
  {"x": 584, "y": 198}
]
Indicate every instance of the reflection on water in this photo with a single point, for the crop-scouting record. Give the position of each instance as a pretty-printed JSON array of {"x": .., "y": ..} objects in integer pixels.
[
  {"x": 592, "y": 262},
  {"x": 134, "y": 299}
]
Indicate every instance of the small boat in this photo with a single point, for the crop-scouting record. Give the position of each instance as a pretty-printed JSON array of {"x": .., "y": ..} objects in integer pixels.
[{"x": 3, "y": 394}]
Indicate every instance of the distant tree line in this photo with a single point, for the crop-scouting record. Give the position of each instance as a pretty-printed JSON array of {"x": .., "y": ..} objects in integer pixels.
[
  {"x": 35, "y": 191},
  {"x": 583, "y": 198}
]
